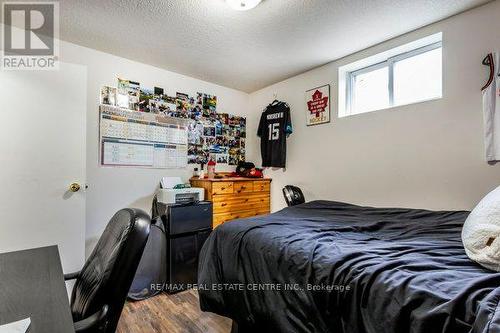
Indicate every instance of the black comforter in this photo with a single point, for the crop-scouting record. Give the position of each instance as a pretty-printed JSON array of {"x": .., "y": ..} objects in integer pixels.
[{"x": 334, "y": 267}]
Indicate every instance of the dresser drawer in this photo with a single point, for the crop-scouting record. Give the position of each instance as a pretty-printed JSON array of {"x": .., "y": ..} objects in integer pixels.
[
  {"x": 221, "y": 218},
  {"x": 261, "y": 186},
  {"x": 223, "y": 204},
  {"x": 244, "y": 197},
  {"x": 243, "y": 187},
  {"x": 219, "y": 188}
]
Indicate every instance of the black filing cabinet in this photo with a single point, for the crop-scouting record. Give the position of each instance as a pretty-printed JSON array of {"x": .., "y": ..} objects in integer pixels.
[{"x": 187, "y": 227}]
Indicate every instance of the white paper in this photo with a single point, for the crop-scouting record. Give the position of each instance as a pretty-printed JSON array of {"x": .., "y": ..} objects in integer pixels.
[
  {"x": 20, "y": 326},
  {"x": 131, "y": 138},
  {"x": 170, "y": 182}
]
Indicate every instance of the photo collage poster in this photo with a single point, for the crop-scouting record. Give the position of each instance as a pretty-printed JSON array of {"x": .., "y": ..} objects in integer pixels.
[{"x": 211, "y": 136}]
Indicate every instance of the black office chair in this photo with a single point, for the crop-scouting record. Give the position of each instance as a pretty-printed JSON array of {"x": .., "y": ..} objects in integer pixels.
[
  {"x": 102, "y": 285},
  {"x": 293, "y": 195}
]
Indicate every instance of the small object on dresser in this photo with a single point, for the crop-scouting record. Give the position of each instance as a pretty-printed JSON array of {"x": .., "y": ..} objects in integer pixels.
[
  {"x": 202, "y": 171},
  {"x": 196, "y": 173},
  {"x": 243, "y": 167},
  {"x": 247, "y": 169},
  {"x": 211, "y": 169}
]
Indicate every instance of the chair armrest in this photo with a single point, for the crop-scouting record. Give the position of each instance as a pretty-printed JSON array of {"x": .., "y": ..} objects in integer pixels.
[
  {"x": 90, "y": 324},
  {"x": 71, "y": 276}
]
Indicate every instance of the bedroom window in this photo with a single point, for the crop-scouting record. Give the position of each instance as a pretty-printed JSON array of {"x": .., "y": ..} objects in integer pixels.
[{"x": 408, "y": 74}]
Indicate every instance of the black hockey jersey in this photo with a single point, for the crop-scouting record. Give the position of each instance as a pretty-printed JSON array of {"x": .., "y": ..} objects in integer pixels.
[{"x": 274, "y": 127}]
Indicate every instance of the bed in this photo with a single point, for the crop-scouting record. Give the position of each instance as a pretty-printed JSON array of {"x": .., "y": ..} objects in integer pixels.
[{"x": 328, "y": 266}]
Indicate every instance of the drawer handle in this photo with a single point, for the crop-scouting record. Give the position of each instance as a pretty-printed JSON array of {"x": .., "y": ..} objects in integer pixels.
[
  {"x": 222, "y": 188},
  {"x": 246, "y": 200},
  {"x": 243, "y": 187},
  {"x": 223, "y": 204}
]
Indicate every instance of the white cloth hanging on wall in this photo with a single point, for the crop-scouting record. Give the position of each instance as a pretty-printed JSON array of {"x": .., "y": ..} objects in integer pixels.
[{"x": 491, "y": 110}]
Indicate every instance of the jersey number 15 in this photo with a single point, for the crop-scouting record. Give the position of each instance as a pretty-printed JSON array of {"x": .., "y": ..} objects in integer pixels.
[{"x": 274, "y": 131}]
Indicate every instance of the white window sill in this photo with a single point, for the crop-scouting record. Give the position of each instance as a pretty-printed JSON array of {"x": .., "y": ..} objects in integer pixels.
[{"x": 345, "y": 115}]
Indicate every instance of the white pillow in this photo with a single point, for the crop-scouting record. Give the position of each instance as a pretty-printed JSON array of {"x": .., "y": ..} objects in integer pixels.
[{"x": 481, "y": 232}]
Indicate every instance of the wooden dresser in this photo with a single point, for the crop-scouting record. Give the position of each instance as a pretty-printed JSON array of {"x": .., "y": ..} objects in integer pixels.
[{"x": 235, "y": 198}]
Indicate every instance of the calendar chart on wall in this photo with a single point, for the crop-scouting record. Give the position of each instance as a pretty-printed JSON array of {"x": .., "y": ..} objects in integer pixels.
[{"x": 139, "y": 139}]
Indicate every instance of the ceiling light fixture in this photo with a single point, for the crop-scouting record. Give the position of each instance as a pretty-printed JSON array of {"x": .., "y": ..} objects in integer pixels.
[{"x": 243, "y": 4}]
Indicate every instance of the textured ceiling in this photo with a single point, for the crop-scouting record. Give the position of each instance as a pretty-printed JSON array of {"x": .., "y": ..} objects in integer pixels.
[{"x": 244, "y": 50}]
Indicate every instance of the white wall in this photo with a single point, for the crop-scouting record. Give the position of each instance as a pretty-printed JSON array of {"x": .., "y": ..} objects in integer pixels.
[
  {"x": 111, "y": 189},
  {"x": 426, "y": 155}
]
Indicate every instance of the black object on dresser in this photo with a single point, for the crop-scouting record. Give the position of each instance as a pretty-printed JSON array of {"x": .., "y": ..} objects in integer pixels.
[{"x": 187, "y": 227}]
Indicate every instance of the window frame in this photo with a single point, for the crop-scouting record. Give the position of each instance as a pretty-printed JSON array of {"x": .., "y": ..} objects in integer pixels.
[{"x": 389, "y": 63}]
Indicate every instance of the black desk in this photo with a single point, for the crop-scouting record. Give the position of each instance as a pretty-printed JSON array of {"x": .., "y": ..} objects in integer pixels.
[{"x": 32, "y": 285}]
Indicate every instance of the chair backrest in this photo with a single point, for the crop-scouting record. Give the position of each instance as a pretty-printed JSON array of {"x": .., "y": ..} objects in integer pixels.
[
  {"x": 293, "y": 195},
  {"x": 108, "y": 273}
]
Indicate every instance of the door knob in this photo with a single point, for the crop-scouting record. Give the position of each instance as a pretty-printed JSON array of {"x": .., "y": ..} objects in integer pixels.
[{"x": 74, "y": 187}]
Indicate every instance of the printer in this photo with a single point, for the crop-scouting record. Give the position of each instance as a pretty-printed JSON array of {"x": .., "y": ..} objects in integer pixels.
[{"x": 169, "y": 195}]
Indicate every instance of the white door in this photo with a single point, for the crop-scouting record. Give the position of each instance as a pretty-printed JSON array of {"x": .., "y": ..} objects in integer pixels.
[{"x": 42, "y": 151}]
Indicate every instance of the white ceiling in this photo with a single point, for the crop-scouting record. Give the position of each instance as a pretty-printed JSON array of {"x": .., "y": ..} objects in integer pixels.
[{"x": 244, "y": 50}]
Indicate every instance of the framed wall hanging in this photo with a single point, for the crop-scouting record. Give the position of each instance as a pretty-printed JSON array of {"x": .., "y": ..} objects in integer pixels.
[{"x": 318, "y": 105}]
